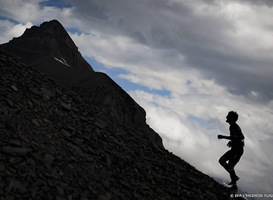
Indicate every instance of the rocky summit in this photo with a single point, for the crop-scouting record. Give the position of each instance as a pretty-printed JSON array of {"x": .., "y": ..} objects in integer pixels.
[{"x": 57, "y": 144}]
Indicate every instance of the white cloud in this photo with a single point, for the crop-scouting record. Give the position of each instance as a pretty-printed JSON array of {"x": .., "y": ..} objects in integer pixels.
[
  {"x": 31, "y": 11},
  {"x": 9, "y": 30},
  {"x": 20, "y": 10},
  {"x": 252, "y": 27}
]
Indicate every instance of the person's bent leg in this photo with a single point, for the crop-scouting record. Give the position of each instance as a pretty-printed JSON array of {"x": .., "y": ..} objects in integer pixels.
[
  {"x": 223, "y": 160},
  {"x": 235, "y": 159}
]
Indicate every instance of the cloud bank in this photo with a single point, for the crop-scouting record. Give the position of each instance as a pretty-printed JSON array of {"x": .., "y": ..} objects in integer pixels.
[{"x": 193, "y": 62}]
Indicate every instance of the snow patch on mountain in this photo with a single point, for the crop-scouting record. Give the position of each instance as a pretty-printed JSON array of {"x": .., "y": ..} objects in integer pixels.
[{"x": 62, "y": 61}]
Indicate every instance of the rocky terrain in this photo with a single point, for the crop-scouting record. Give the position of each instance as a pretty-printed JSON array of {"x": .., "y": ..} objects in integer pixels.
[
  {"x": 54, "y": 145},
  {"x": 61, "y": 141}
]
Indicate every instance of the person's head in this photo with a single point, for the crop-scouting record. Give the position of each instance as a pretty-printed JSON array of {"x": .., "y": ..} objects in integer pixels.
[{"x": 232, "y": 117}]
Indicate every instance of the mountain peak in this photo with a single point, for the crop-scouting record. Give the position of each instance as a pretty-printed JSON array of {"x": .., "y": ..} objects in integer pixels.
[
  {"x": 51, "y": 28},
  {"x": 48, "y": 43},
  {"x": 52, "y": 22}
]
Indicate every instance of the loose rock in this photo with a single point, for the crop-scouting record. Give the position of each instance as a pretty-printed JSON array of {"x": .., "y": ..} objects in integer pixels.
[{"x": 62, "y": 147}]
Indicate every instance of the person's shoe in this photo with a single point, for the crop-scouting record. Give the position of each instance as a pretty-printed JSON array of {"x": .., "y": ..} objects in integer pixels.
[
  {"x": 233, "y": 182},
  {"x": 234, "y": 188}
]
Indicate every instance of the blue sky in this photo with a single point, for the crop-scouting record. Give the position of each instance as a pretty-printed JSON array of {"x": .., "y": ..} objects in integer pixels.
[
  {"x": 55, "y": 3},
  {"x": 187, "y": 63},
  {"x": 126, "y": 85}
]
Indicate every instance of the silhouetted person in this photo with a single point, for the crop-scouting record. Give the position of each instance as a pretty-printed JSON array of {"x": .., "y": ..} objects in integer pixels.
[{"x": 237, "y": 147}]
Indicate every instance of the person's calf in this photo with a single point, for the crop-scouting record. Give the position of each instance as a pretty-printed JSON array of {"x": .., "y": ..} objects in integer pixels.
[{"x": 234, "y": 178}]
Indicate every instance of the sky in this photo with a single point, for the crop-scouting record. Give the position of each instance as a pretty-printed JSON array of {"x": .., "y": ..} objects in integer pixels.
[{"x": 186, "y": 62}]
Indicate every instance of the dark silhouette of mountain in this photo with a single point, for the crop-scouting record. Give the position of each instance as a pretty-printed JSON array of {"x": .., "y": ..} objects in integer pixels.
[
  {"x": 55, "y": 145},
  {"x": 68, "y": 132},
  {"x": 49, "y": 47},
  {"x": 52, "y": 51}
]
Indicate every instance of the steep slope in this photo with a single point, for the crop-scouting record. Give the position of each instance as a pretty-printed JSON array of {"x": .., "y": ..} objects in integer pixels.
[
  {"x": 54, "y": 145},
  {"x": 51, "y": 50}
]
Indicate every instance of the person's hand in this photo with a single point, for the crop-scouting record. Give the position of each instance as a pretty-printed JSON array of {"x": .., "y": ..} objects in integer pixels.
[
  {"x": 229, "y": 144},
  {"x": 220, "y": 136}
]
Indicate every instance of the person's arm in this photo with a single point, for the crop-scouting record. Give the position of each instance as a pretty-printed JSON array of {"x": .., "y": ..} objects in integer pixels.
[
  {"x": 224, "y": 137},
  {"x": 233, "y": 137}
]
